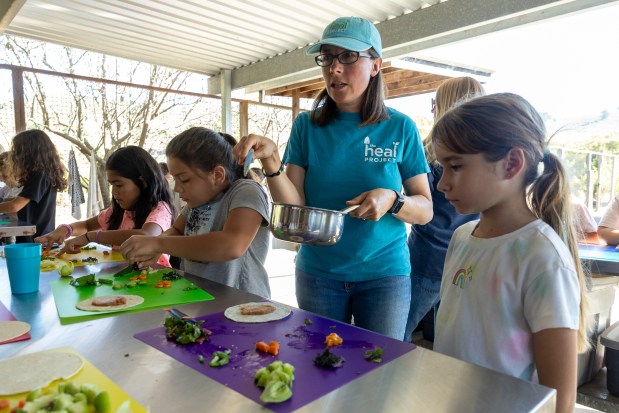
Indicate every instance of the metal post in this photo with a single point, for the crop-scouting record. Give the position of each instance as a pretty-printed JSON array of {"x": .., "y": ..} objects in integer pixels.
[{"x": 226, "y": 100}]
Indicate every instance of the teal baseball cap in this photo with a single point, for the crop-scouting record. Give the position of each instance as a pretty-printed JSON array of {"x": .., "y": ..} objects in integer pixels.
[{"x": 350, "y": 33}]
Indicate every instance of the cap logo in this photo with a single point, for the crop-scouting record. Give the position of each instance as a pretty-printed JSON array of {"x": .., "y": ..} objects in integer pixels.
[{"x": 338, "y": 27}]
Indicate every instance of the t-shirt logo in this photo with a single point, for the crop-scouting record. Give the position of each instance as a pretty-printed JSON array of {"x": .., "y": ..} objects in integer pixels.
[
  {"x": 374, "y": 153},
  {"x": 463, "y": 277}
]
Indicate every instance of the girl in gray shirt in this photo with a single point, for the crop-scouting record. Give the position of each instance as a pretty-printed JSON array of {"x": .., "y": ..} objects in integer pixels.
[{"x": 225, "y": 220}]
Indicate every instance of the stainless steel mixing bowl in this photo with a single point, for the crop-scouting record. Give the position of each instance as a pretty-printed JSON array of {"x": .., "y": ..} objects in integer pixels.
[{"x": 308, "y": 225}]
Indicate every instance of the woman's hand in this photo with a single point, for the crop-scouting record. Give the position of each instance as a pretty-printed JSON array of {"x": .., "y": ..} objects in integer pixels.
[
  {"x": 264, "y": 149},
  {"x": 141, "y": 249},
  {"x": 372, "y": 204},
  {"x": 57, "y": 236}
]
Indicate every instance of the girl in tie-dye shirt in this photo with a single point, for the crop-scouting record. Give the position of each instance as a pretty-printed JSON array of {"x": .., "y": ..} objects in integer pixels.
[{"x": 513, "y": 290}]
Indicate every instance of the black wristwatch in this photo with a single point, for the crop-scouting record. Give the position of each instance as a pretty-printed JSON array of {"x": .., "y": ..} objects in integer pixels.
[{"x": 397, "y": 204}]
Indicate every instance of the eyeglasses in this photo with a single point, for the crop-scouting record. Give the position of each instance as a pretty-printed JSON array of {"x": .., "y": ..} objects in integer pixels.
[
  {"x": 345, "y": 58},
  {"x": 433, "y": 106}
]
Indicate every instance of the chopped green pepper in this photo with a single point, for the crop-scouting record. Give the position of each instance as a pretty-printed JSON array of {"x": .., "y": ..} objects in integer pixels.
[{"x": 220, "y": 358}]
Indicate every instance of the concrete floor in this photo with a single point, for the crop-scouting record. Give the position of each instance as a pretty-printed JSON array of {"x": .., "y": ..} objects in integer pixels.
[{"x": 280, "y": 267}]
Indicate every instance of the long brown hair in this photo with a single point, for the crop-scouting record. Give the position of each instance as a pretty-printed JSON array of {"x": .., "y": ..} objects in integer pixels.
[
  {"x": 449, "y": 94},
  {"x": 492, "y": 125},
  {"x": 373, "y": 109},
  {"x": 32, "y": 153}
]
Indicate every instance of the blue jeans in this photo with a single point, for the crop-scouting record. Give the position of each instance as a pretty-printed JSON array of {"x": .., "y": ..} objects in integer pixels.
[
  {"x": 424, "y": 294},
  {"x": 379, "y": 305}
]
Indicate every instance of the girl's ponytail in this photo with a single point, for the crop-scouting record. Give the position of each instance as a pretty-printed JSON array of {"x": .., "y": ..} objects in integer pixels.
[{"x": 549, "y": 199}]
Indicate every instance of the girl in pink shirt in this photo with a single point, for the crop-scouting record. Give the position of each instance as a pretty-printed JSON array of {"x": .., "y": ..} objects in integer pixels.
[{"x": 141, "y": 205}]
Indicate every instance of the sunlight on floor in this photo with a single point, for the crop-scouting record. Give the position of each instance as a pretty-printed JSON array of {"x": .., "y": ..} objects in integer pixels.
[{"x": 280, "y": 267}]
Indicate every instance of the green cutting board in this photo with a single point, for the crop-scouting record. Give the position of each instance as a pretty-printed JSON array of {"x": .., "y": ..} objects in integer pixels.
[{"x": 67, "y": 296}]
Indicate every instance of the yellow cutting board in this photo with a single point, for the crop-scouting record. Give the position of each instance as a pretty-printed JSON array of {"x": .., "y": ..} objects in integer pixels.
[
  {"x": 88, "y": 374},
  {"x": 98, "y": 253}
]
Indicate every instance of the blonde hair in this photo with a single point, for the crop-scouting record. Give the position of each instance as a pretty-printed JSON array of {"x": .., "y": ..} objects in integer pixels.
[
  {"x": 449, "y": 94},
  {"x": 492, "y": 125}
]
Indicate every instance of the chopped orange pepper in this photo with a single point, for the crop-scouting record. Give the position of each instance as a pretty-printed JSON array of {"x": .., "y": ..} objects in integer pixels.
[
  {"x": 4, "y": 404},
  {"x": 135, "y": 277},
  {"x": 273, "y": 347},
  {"x": 333, "y": 340},
  {"x": 142, "y": 276},
  {"x": 262, "y": 346}
]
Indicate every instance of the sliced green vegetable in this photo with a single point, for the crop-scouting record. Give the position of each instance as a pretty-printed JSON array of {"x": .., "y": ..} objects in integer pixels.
[
  {"x": 277, "y": 379},
  {"x": 105, "y": 281},
  {"x": 84, "y": 281},
  {"x": 276, "y": 392},
  {"x": 170, "y": 276},
  {"x": 184, "y": 332},
  {"x": 308, "y": 321},
  {"x": 375, "y": 355},
  {"x": 220, "y": 358}
]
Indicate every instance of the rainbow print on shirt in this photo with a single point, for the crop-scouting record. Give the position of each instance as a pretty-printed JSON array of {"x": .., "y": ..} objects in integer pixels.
[{"x": 462, "y": 277}]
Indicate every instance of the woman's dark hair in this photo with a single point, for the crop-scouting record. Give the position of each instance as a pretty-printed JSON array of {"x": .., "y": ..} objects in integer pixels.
[
  {"x": 133, "y": 162},
  {"x": 373, "y": 109},
  {"x": 34, "y": 153},
  {"x": 204, "y": 149}
]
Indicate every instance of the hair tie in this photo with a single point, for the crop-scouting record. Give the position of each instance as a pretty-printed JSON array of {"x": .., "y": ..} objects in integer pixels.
[{"x": 545, "y": 156}]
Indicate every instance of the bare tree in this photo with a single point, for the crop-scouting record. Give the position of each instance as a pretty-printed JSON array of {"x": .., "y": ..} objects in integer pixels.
[{"x": 96, "y": 117}]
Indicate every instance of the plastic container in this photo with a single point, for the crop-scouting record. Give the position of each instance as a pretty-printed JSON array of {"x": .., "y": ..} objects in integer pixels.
[
  {"x": 610, "y": 339},
  {"x": 23, "y": 262}
]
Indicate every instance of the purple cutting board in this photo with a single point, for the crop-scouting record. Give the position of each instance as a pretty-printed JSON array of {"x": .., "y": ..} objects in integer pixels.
[{"x": 299, "y": 344}]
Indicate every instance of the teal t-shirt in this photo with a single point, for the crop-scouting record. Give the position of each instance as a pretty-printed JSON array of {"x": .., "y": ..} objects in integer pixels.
[{"x": 343, "y": 160}]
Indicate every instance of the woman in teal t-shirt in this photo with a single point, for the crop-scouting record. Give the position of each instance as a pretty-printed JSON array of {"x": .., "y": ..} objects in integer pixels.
[{"x": 352, "y": 150}]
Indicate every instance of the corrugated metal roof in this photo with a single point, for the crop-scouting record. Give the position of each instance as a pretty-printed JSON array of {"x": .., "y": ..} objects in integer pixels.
[
  {"x": 261, "y": 42},
  {"x": 194, "y": 35}
]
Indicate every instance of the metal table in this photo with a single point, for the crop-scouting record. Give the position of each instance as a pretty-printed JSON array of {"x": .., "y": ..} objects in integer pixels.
[
  {"x": 13, "y": 229},
  {"x": 600, "y": 259},
  {"x": 421, "y": 380}
]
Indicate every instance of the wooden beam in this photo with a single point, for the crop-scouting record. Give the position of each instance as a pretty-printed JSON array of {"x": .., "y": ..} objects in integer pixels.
[
  {"x": 244, "y": 118},
  {"x": 19, "y": 106},
  {"x": 295, "y": 103},
  {"x": 8, "y": 11}
]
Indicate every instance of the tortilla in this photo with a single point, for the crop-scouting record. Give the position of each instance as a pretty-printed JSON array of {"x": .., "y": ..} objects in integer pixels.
[
  {"x": 234, "y": 313},
  {"x": 12, "y": 329},
  {"x": 132, "y": 301},
  {"x": 32, "y": 371}
]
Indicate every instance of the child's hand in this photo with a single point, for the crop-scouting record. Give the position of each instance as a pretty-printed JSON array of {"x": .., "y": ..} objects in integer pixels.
[
  {"x": 73, "y": 245},
  {"x": 140, "y": 248},
  {"x": 48, "y": 240}
]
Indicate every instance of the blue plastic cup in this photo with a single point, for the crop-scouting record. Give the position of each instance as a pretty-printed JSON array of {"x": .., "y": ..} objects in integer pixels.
[{"x": 24, "y": 264}]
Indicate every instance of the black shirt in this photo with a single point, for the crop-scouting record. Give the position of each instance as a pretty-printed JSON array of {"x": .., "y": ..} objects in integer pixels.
[{"x": 41, "y": 210}]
